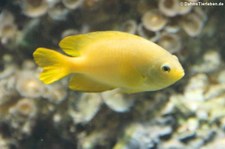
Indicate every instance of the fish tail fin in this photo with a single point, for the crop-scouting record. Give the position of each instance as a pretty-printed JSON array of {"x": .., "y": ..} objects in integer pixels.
[{"x": 55, "y": 65}]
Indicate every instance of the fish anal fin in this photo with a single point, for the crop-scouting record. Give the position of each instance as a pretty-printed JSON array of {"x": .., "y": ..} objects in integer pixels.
[{"x": 82, "y": 83}]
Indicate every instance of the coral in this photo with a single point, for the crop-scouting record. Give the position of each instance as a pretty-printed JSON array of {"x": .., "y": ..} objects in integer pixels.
[
  {"x": 8, "y": 28},
  {"x": 170, "y": 41},
  {"x": 34, "y": 8},
  {"x": 58, "y": 11},
  {"x": 22, "y": 117},
  {"x": 85, "y": 108},
  {"x": 192, "y": 25},
  {"x": 69, "y": 32},
  {"x": 87, "y": 141},
  {"x": 55, "y": 93},
  {"x": 28, "y": 85},
  {"x": 24, "y": 107},
  {"x": 211, "y": 62},
  {"x": 4, "y": 143},
  {"x": 153, "y": 20},
  {"x": 169, "y": 7},
  {"x": 221, "y": 77},
  {"x": 165, "y": 24},
  {"x": 182, "y": 10},
  {"x": 142, "y": 31},
  {"x": 129, "y": 26},
  {"x": 72, "y": 4},
  {"x": 117, "y": 101}
]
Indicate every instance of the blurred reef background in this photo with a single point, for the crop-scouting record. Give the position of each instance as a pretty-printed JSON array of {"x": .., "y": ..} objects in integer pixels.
[{"x": 187, "y": 115}]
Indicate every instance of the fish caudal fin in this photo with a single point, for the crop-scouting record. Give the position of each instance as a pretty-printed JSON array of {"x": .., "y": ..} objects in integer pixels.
[{"x": 55, "y": 65}]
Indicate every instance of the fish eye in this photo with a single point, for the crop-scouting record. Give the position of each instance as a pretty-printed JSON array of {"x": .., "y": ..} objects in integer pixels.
[{"x": 166, "y": 68}]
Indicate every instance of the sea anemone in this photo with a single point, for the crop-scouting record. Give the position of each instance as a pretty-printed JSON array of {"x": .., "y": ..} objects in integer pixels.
[
  {"x": 129, "y": 26},
  {"x": 142, "y": 31},
  {"x": 85, "y": 107},
  {"x": 182, "y": 10},
  {"x": 69, "y": 32},
  {"x": 55, "y": 93},
  {"x": 58, "y": 11},
  {"x": 172, "y": 27},
  {"x": 8, "y": 29},
  {"x": 72, "y": 4},
  {"x": 169, "y": 7},
  {"x": 24, "y": 107},
  {"x": 117, "y": 101},
  {"x": 153, "y": 20},
  {"x": 170, "y": 42},
  {"x": 191, "y": 24},
  {"x": 34, "y": 8},
  {"x": 28, "y": 85}
]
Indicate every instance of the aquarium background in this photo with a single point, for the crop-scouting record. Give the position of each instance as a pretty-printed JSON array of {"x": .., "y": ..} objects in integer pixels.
[{"x": 187, "y": 115}]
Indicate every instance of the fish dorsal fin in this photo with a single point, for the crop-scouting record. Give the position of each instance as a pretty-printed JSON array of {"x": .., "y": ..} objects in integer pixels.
[
  {"x": 72, "y": 45},
  {"x": 80, "y": 82},
  {"x": 75, "y": 45}
]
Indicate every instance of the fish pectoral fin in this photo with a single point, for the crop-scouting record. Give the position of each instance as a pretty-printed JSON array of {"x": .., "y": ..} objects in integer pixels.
[{"x": 82, "y": 83}]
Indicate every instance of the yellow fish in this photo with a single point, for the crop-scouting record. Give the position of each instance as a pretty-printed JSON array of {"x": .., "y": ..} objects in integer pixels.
[{"x": 107, "y": 60}]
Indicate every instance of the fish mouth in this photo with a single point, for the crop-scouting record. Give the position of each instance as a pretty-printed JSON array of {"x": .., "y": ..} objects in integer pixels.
[
  {"x": 182, "y": 73},
  {"x": 179, "y": 74}
]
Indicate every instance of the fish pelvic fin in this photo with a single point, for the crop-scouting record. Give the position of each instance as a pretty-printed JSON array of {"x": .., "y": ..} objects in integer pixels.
[{"x": 55, "y": 65}]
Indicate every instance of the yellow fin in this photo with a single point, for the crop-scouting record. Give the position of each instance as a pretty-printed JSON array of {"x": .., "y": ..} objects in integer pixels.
[
  {"x": 55, "y": 65},
  {"x": 71, "y": 45},
  {"x": 82, "y": 83},
  {"x": 75, "y": 45}
]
